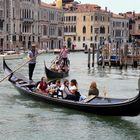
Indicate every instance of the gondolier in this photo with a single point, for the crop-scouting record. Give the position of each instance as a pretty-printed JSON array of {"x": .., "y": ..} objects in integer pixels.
[
  {"x": 32, "y": 57},
  {"x": 64, "y": 55}
]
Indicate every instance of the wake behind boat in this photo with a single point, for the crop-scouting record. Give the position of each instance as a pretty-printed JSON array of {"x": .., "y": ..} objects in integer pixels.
[{"x": 96, "y": 105}]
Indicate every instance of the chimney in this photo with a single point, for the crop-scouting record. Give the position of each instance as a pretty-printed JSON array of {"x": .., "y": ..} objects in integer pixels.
[
  {"x": 106, "y": 9},
  {"x": 133, "y": 13}
]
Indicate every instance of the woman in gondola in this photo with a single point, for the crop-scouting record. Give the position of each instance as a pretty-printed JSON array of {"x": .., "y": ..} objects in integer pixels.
[
  {"x": 42, "y": 86},
  {"x": 55, "y": 89},
  {"x": 93, "y": 90},
  {"x": 56, "y": 67},
  {"x": 74, "y": 94}
]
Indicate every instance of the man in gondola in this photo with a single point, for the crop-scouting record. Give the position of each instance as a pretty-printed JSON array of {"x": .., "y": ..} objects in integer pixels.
[{"x": 32, "y": 54}]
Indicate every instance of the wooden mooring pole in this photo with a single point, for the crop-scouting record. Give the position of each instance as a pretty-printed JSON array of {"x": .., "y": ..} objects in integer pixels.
[
  {"x": 103, "y": 53},
  {"x": 89, "y": 58},
  {"x": 125, "y": 55},
  {"x": 93, "y": 53},
  {"x": 121, "y": 58}
]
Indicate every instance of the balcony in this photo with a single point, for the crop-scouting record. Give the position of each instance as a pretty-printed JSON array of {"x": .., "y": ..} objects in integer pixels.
[
  {"x": 53, "y": 22},
  {"x": 53, "y": 37},
  {"x": 27, "y": 20},
  {"x": 69, "y": 33},
  {"x": 26, "y": 33}
]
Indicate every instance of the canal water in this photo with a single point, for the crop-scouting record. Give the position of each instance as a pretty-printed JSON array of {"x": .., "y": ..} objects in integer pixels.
[{"x": 23, "y": 118}]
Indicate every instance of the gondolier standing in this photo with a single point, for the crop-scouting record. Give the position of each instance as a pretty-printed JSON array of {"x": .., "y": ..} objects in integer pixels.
[
  {"x": 64, "y": 55},
  {"x": 32, "y": 57}
]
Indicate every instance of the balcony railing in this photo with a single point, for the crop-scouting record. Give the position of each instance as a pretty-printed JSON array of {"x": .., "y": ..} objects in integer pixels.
[
  {"x": 27, "y": 20},
  {"x": 69, "y": 33},
  {"x": 52, "y": 36},
  {"x": 53, "y": 22}
]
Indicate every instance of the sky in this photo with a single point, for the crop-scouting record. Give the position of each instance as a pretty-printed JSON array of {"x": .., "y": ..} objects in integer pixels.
[{"x": 115, "y": 6}]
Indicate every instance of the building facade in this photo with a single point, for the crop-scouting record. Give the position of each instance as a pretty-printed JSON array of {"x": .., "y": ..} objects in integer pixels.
[
  {"x": 52, "y": 27},
  {"x": 22, "y": 23},
  {"x": 2, "y": 22},
  {"x": 86, "y": 24},
  {"x": 119, "y": 30},
  {"x": 22, "y": 27}
]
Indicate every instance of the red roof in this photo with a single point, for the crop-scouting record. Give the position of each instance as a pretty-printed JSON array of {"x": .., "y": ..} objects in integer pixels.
[{"x": 81, "y": 8}]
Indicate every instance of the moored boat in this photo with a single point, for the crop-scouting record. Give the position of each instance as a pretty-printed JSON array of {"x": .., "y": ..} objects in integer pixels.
[
  {"x": 56, "y": 51},
  {"x": 96, "y": 105},
  {"x": 9, "y": 55}
]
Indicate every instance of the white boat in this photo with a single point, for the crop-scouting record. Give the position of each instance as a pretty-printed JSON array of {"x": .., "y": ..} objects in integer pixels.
[
  {"x": 56, "y": 51},
  {"x": 42, "y": 51},
  {"x": 9, "y": 55}
]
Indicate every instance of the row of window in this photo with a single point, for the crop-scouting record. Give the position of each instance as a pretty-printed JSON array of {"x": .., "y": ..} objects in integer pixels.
[
  {"x": 97, "y": 18},
  {"x": 21, "y": 38},
  {"x": 120, "y": 24},
  {"x": 70, "y": 18},
  {"x": 51, "y": 31},
  {"x": 25, "y": 13},
  {"x": 33, "y": 1},
  {"x": 70, "y": 29},
  {"x": 120, "y": 33},
  {"x": 28, "y": 14},
  {"x": 83, "y": 38},
  {"x": 51, "y": 15}
]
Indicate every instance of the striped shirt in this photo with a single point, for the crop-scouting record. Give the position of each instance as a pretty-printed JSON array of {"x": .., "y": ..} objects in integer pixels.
[{"x": 32, "y": 54}]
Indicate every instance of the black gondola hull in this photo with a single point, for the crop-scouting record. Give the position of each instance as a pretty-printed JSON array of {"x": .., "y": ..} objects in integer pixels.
[
  {"x": 98, "y": 105},
  {"x": 123, "y": 109},
  {"x": 52, "y": 74}
]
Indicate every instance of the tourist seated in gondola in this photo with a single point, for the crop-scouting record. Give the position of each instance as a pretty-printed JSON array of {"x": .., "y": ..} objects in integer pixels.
[
  {"x": 42, "y": 85},
  {"x": 64, "y": 68},
  {"x": 93, "y": 90},
  {"x": 74, "y": 94},
  {"x": 56, "y": 67},
  {"x": 65, "y": 88},
  {"x": 54, "y": 90}
]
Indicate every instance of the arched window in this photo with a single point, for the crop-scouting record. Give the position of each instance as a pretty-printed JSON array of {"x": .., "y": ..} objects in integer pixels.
[
  {"x": 91, "y": 29},
  {"x": 74, "y": 30},
  {"x": 66, "y": 29},
  {"x": 84, "y": 29},
  {"x": 102, "y": 30},
  {"x": 71, "y": 28}
]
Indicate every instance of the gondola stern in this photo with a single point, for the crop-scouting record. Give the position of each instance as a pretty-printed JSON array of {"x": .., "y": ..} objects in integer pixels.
[{"x": 5, "y": 67}]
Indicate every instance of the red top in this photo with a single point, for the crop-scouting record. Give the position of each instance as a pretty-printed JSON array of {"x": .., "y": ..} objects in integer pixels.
[{"x": 43, "y": 86}]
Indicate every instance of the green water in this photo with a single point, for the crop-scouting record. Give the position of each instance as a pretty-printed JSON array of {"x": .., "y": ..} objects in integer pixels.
[{"x": 23, "y": 118}]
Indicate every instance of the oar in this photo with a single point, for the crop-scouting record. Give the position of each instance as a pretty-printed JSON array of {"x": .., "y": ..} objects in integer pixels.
[
  {"x": 18, "y": 68},
  {"x": 57, "y": 58}
]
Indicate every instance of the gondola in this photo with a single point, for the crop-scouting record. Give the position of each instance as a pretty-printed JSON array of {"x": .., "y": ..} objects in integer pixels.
[
  {"x": 97, "y": 105},
  {"x": 53, "y": 74}
]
